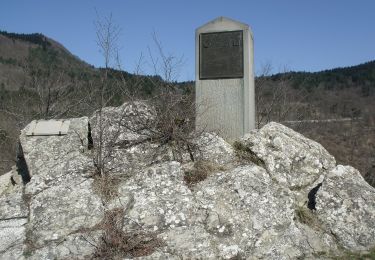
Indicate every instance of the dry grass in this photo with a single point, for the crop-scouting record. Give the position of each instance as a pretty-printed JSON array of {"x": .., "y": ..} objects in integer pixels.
[
  {"x": 106, "y": 186},
  {"x": 200, "y": 171},
  {"x": 305, "y": 216},
  {"x": 244, "y": 153},
  {"x": 116, "y": 243}
]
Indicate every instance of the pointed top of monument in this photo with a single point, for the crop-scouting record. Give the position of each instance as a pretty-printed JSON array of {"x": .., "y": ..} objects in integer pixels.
[{"x": 221, "y": 22}]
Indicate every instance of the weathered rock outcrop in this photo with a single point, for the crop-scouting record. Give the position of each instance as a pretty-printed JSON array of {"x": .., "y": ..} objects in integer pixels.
[
  {"x": 274, "y": 194},
  {"x": 345, "y": 206}
]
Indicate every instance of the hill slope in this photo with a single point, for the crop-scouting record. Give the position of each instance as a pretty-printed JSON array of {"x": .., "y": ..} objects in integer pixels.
[{"x": 21, "y": 52}]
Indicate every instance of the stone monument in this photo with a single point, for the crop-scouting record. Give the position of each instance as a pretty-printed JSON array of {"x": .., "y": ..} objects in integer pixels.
[{"x": 224, "y": 78}]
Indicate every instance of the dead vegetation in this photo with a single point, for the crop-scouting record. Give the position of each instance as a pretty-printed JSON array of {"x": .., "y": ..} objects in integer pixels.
[
  {"x": 165, "y": 118},
  {"x": 245, "y": 154},
  {"x": 117, "y": 243},
  {"x": 200, "y": 171},
  {"x": 106, "y": 186},
  {"x": 305, "y": 216}
]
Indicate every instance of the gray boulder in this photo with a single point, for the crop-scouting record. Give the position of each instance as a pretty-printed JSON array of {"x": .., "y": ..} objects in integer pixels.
[
  {"x": 59, "y": 198},
  {"x": 13, "y": 219},
  {"x": 292, "y": 160},
  {"x": 346, "y": 207},
  {"x": 211, "y": 147}
]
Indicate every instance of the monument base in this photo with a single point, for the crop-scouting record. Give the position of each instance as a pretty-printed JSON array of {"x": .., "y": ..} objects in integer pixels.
[{"x": 220, "y": 107}]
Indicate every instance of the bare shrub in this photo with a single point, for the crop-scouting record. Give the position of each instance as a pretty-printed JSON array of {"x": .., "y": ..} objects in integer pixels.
[
  {"x": 165, "y": 119},
  {"x": 107, "y": 35},
  {"x": 116, "y": 243},
  {"x": 174, "y": 123},
  {"x": 7, "y": 146},
  {"x": 277, "y": 100},
  {"x": 106, "y": 186}
]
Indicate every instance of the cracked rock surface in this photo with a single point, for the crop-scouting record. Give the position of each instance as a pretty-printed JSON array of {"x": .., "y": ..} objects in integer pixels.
[
  {"x": 287, "y": 200},
  {"x": 293, "y": 160},
  {"x": 346, "y": 206}
]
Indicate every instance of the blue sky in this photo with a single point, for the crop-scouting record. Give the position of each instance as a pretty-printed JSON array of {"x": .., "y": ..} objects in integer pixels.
[{"x": 297, "y": 34}]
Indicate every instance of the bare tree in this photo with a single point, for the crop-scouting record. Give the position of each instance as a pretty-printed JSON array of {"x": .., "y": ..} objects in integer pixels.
[
  {"x": 107, "y": 33},
  {"x": 167, "y": 65},
  {"x": 277, "y": 100},
  {"x": 166, "y": 118}
]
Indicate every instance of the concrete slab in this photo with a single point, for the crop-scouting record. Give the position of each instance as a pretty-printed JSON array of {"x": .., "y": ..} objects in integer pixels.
[{"x": 48, "y": 127}]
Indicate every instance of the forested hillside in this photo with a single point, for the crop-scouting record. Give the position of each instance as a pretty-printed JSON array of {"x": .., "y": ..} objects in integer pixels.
[{"x": 360, "y": 76}]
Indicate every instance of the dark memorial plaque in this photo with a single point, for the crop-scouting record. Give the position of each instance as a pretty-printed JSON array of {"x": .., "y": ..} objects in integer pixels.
[{"x": 221, "y": 55}]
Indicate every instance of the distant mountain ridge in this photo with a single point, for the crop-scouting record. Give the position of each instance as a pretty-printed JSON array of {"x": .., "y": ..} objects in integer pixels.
[
  {"x": 362, "y": 76},
  {"x": 36, "y": 38},
  {"x": 15, "y": 48}
]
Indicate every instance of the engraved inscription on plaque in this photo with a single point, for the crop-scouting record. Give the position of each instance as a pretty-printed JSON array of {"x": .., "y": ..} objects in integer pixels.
[{"x": 221, "y": 55}]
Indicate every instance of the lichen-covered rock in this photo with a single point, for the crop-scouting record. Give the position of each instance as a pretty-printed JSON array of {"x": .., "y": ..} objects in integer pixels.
[
  {"x": 62, "y": 210},
  {"x": 346, "y": 205},
  {"x": 249, "y": 214},
  {"x": 235, "y": 213},
  {"x": 153, "y": 196},
  {"x": 5, "y": 182},
  {"x": 293, "y": 160},
  {"x": 120, "y": 125},
  {"x": 74, "y": 246},
  {"x": 213, "y": 148},
  {"x": 59, "y": 200},
  {"x": 13, "y": 219},
  {"x": 12, "y": 203},
  {"x": 12, "y": 238},
  {"x": 50, "y": 157}
]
